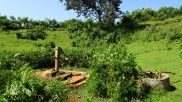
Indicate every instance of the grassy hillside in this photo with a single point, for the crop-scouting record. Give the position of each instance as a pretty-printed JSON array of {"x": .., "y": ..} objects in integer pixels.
[
  {"x": 10, "y": 42},
  {"x": 161, "y": 56},
  {"x": 155, "y": 49}
]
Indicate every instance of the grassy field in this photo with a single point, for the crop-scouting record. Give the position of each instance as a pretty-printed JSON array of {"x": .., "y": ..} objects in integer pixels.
[
  {"x": 9, "y": 41},
  {"x": 161, "y": 56}
]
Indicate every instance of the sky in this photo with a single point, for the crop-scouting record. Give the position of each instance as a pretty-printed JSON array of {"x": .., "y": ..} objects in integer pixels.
[{"x": 54, "y": 9}]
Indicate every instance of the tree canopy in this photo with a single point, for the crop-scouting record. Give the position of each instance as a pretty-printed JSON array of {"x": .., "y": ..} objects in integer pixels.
[{"x": 102, "y": 10}]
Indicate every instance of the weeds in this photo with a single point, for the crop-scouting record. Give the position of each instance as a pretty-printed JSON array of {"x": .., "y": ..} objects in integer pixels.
[{"x": 29, "y": 88}]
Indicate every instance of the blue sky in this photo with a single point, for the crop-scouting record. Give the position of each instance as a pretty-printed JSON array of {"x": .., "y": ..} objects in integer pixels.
[{"x": 53, "y": 9}]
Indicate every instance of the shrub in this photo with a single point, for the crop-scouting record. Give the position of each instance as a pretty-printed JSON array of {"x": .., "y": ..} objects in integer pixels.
[
  {"x": 50, "y": 44},
  {"x": 8, "y": 61},
  {"x": 33, "y": 34},
  {"x": 76, "y": 58},
  {"x": 115, "y": 74},
  {"x": 174, "y": 33},
  {"x": 30, "y": 89},
  {"x": 6, "y": 76},
  {"x": 113, "y": 37},
  {"x": 40, "y": 58},
  {"x": 19, "y": 35}
]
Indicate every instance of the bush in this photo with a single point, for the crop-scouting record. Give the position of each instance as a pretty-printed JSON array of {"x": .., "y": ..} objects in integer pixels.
[
  {"x": 115, "y": 74},
  {"x": 40, "y": 58},
  {"x": 33, "y": 34},
  {"x": 6, "y": 76},
  {"x": 76, "y": 58},
  {"x": 8, "y": 61},
  {"x": 19, "y": 35},
  {"x": 43, "y": 58},
  {"x": 50, "y": 44},
  {"x": 31, "y": 89}
]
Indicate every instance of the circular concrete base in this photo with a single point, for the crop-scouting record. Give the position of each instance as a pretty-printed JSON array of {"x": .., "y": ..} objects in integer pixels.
[{"x": 162, "y": 83}]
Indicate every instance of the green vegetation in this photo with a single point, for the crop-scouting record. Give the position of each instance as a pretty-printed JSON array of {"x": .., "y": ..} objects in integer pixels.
[
  {"x": 24, "y": 86},
  {"x": 33, "y": 34},
  {"x": 105, "y": 11},
  {"x": 114, "y": 57}
]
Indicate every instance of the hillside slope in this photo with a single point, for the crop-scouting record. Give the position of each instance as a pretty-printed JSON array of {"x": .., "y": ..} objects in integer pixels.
[{"x": 157, "y": 48}]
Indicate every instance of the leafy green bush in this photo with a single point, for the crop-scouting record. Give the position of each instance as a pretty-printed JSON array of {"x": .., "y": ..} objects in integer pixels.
[
  {"x": 44, "y": 57},
  {"x": 19, "y": 35},
  {"x": 33, "y": 34},
  {"x": 175, "y": 33},
  {"x": 40, "y": 58},
  {"x": 76, "y": 58},
  {"x": 31, "y": 89},
  {"x": 6, "y": 76},
  {"x": 112, "y": 37},
  {"x": 115, "y": 74},
  {"x": 8, "y": 61}
]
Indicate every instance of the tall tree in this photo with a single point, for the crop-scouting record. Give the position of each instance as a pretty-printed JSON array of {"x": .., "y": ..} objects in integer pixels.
[{"x": 102, "y": 10}]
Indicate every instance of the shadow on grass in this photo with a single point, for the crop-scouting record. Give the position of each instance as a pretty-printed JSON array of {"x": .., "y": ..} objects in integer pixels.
[{"x": 172, "y": 88}]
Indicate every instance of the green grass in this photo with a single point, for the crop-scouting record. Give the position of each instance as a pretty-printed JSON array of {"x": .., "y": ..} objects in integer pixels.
[
  {"x": 166, "y": 21},
  {"x": 9, "y": 41},
  {"x": 161, "y": 56}
]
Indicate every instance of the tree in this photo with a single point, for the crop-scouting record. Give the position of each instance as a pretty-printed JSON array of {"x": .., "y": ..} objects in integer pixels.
[
  {"x": 167, "y": 12},
  {"x": 102, "y": 10},
  {"x": 148, "y": 14},
  {"x": 25, "y": 22}
]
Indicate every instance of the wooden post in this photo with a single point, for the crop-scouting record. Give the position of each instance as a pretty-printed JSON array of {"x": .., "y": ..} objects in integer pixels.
[{"x": 57, "y": 55}]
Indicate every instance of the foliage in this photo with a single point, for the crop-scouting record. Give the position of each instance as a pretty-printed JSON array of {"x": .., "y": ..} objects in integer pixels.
[
  {"x": 155, "y": 33},
  {"x": 6, "y": 76},
  {"x": 41, "y": 58},
  {"x": 50, "y": 44},
  {"x": 25, "y": 23},
  {"x": 30, "y": 89},
  {"x": 128, "y": 22},
  {"x": 103, "y": 10},
  {"x": 76, "y": 58},
  {"x": 147, "y": 14},
  {"x": 114, "y": 74},
  {"x": 167, "y": 12},
  {"x": 44, "y": 57},
  {"x": 33, "y": 34},
  {"x": 37, "y": 59},
  {"x": 7, "y": 61}
]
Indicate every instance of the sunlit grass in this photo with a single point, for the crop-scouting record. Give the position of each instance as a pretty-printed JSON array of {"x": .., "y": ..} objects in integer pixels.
[
  {"x": 161, "y": 56},
  {"x": 9, "y": 41}
]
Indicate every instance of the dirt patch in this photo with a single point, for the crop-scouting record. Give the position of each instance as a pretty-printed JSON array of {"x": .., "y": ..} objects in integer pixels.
[{"x": 73, "y": 98}]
